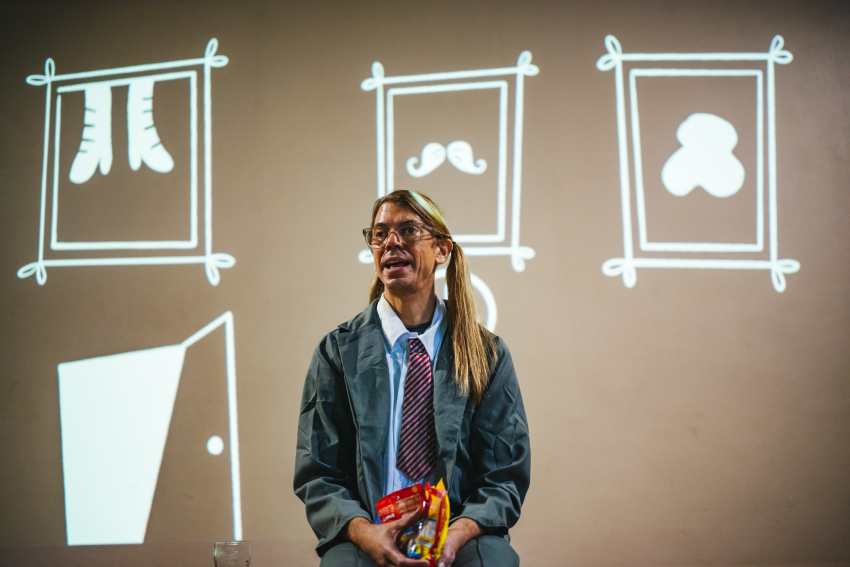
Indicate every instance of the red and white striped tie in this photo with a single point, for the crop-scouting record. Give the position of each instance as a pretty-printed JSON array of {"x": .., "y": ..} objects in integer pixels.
[{"x": 417, "y": 442}]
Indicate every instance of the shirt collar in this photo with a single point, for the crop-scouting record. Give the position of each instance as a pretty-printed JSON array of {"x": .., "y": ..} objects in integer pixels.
[{"x": 395, "y": 330}]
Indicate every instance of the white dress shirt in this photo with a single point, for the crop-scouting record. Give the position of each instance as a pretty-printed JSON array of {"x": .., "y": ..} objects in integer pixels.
[{"x": 396, "y": 347}]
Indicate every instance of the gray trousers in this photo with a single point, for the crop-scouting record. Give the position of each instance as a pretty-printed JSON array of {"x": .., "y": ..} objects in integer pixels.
[{"x": 483, "y": 551}]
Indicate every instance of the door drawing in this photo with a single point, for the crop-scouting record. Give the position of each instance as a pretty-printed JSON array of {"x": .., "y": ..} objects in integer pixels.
[{"x": 115, "y": 415}]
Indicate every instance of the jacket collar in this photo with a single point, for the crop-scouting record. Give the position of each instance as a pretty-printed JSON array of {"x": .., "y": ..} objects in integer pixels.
[
  {"x": 368, "y": 316},
  {"x": 395, "y": 330}
]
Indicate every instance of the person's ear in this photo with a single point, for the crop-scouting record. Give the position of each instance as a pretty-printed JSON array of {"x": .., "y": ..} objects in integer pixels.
[{"x": 444, "y": 248}]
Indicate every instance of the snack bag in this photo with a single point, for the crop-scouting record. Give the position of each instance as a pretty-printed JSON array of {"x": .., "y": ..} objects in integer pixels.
[
  {"x": 423, "y": 540},
  {"x": 393, "y": 506},
  {"x": 428, "y": 543}
]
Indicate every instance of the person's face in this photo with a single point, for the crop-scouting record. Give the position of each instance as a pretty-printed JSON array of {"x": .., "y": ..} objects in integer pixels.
[{"x": 407, "y": 269}]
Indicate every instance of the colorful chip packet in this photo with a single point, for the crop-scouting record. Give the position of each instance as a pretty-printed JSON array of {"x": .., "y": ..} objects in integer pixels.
[{"x": 425, "y": 538}]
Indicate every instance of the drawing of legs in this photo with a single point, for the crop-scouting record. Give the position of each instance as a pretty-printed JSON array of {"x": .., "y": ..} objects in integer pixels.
[
  {"x": 143, "y": 141},
  {"x": 96, "y": 146}
]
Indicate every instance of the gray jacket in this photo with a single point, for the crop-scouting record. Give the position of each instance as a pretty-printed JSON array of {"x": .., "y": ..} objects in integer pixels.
[{"x": 483, "y": 451}]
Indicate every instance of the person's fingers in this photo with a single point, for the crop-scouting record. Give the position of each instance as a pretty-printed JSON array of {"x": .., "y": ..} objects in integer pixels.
[
  {"x": 405, "y": 562},
  {"x": 408, "y": 520},
  {"x": 447, "y": 557},
  {"x": 396, "y": 557},
  {"x": 446, "y": 560}
]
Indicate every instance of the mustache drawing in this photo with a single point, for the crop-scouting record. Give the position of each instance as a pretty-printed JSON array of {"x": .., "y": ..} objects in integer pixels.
[{"x": 434, "y": 154}]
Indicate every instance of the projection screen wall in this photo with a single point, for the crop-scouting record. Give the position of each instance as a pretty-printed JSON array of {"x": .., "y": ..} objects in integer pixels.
[{"x": 653, "y": 197}]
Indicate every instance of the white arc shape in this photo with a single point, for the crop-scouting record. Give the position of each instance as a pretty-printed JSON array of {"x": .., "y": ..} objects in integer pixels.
[
  {"x": 460, "y": 156},
  {"x": 115, "y": 412},
  {"x": 143, "y": 140},
  {"x": 483, "y": 289},
  {"x": 433, "y": 156},
  {"x": 705, "y": 158},
  {"x": 96, "y": 145}
]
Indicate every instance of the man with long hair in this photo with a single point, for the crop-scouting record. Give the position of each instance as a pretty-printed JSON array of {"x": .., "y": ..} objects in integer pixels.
[{"x": 411, "y": 390}]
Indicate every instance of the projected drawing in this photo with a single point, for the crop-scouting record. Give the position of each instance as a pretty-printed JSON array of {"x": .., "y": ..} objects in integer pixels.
[
  {"x": 96, "y": 146},
  {"x": 459, "y": 152},
  {"x": 434, "y": 154},
  {"x": 465, "y": 156},
  {"x": 115, "y": 413},
  {"x": 706, "y": 158},
  {"x": 143, "y": 141},
  {"x": 143, "y": 147},
  {"x": 480, "y": 287}
]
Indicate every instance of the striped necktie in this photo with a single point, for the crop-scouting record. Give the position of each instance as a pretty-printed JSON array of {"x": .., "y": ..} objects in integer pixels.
[{"x": 417, "y": 441}]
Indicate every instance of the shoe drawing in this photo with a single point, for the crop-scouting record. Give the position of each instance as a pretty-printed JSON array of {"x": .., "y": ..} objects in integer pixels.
[
  {"x": 144, "y": 144},
  {"x": 96, "y": 146}
]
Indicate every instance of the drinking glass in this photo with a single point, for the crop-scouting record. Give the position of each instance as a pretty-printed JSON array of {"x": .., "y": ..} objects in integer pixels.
[{"x": 231, "y": 554}]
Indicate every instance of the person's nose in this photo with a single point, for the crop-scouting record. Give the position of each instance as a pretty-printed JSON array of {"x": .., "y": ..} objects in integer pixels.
[{"x": 393, "y": 239}]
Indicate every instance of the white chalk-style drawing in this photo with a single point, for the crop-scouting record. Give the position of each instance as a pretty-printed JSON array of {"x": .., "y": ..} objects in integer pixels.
[
  {"x": 215, "y": 445},
  {"x": 144, "y": 147},
  {"x": 705, "y": 158},
  {"x": 460, "y": 155},
  {"x": 115, "y": 413},
  {"x": 433, "y": 156},
  {"x": 144, "y": 144},
  {"x": 459, "y": 152},
  {"x": 483, "y": 289},
  {"x": 96, "y": 145},
  {"x": 676, "y": 180},
  {"x": 143, "y": 140}
]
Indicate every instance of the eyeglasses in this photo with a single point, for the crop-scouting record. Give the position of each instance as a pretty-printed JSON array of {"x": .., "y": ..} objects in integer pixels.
[{"x": 409, "y": 234}]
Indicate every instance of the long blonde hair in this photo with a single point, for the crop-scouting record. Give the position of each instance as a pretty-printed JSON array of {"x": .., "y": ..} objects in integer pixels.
[{"x": 473, "y": 343}]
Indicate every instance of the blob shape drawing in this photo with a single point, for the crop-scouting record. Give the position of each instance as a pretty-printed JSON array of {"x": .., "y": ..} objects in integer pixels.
[
  {"x": 705, "y": 158},
  {"x": 459, "y": 153},
  {"x": 143, "y": 140}
]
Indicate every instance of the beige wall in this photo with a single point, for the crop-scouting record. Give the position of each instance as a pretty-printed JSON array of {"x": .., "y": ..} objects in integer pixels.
[{"x": 698, "y": 418}]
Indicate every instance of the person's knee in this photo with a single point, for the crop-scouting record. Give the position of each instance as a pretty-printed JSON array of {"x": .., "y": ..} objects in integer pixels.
[
  {"x": 346, "y": 554},
  {"x": 486, "y": 551}
]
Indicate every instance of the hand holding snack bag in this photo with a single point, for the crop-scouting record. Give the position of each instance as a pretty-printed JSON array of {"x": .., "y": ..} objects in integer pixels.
[
  {"x": 393, "y": 506},
  {"x": 423, "y": 540}
]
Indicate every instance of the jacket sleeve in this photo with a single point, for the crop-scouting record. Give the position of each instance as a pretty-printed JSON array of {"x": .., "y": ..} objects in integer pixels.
[
  {"x": 325, "y": 462},
  {"x": 500, "y": 451}
]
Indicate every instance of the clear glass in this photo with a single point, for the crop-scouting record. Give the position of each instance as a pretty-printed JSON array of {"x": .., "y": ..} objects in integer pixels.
[{"x": 232, "y": 554}]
